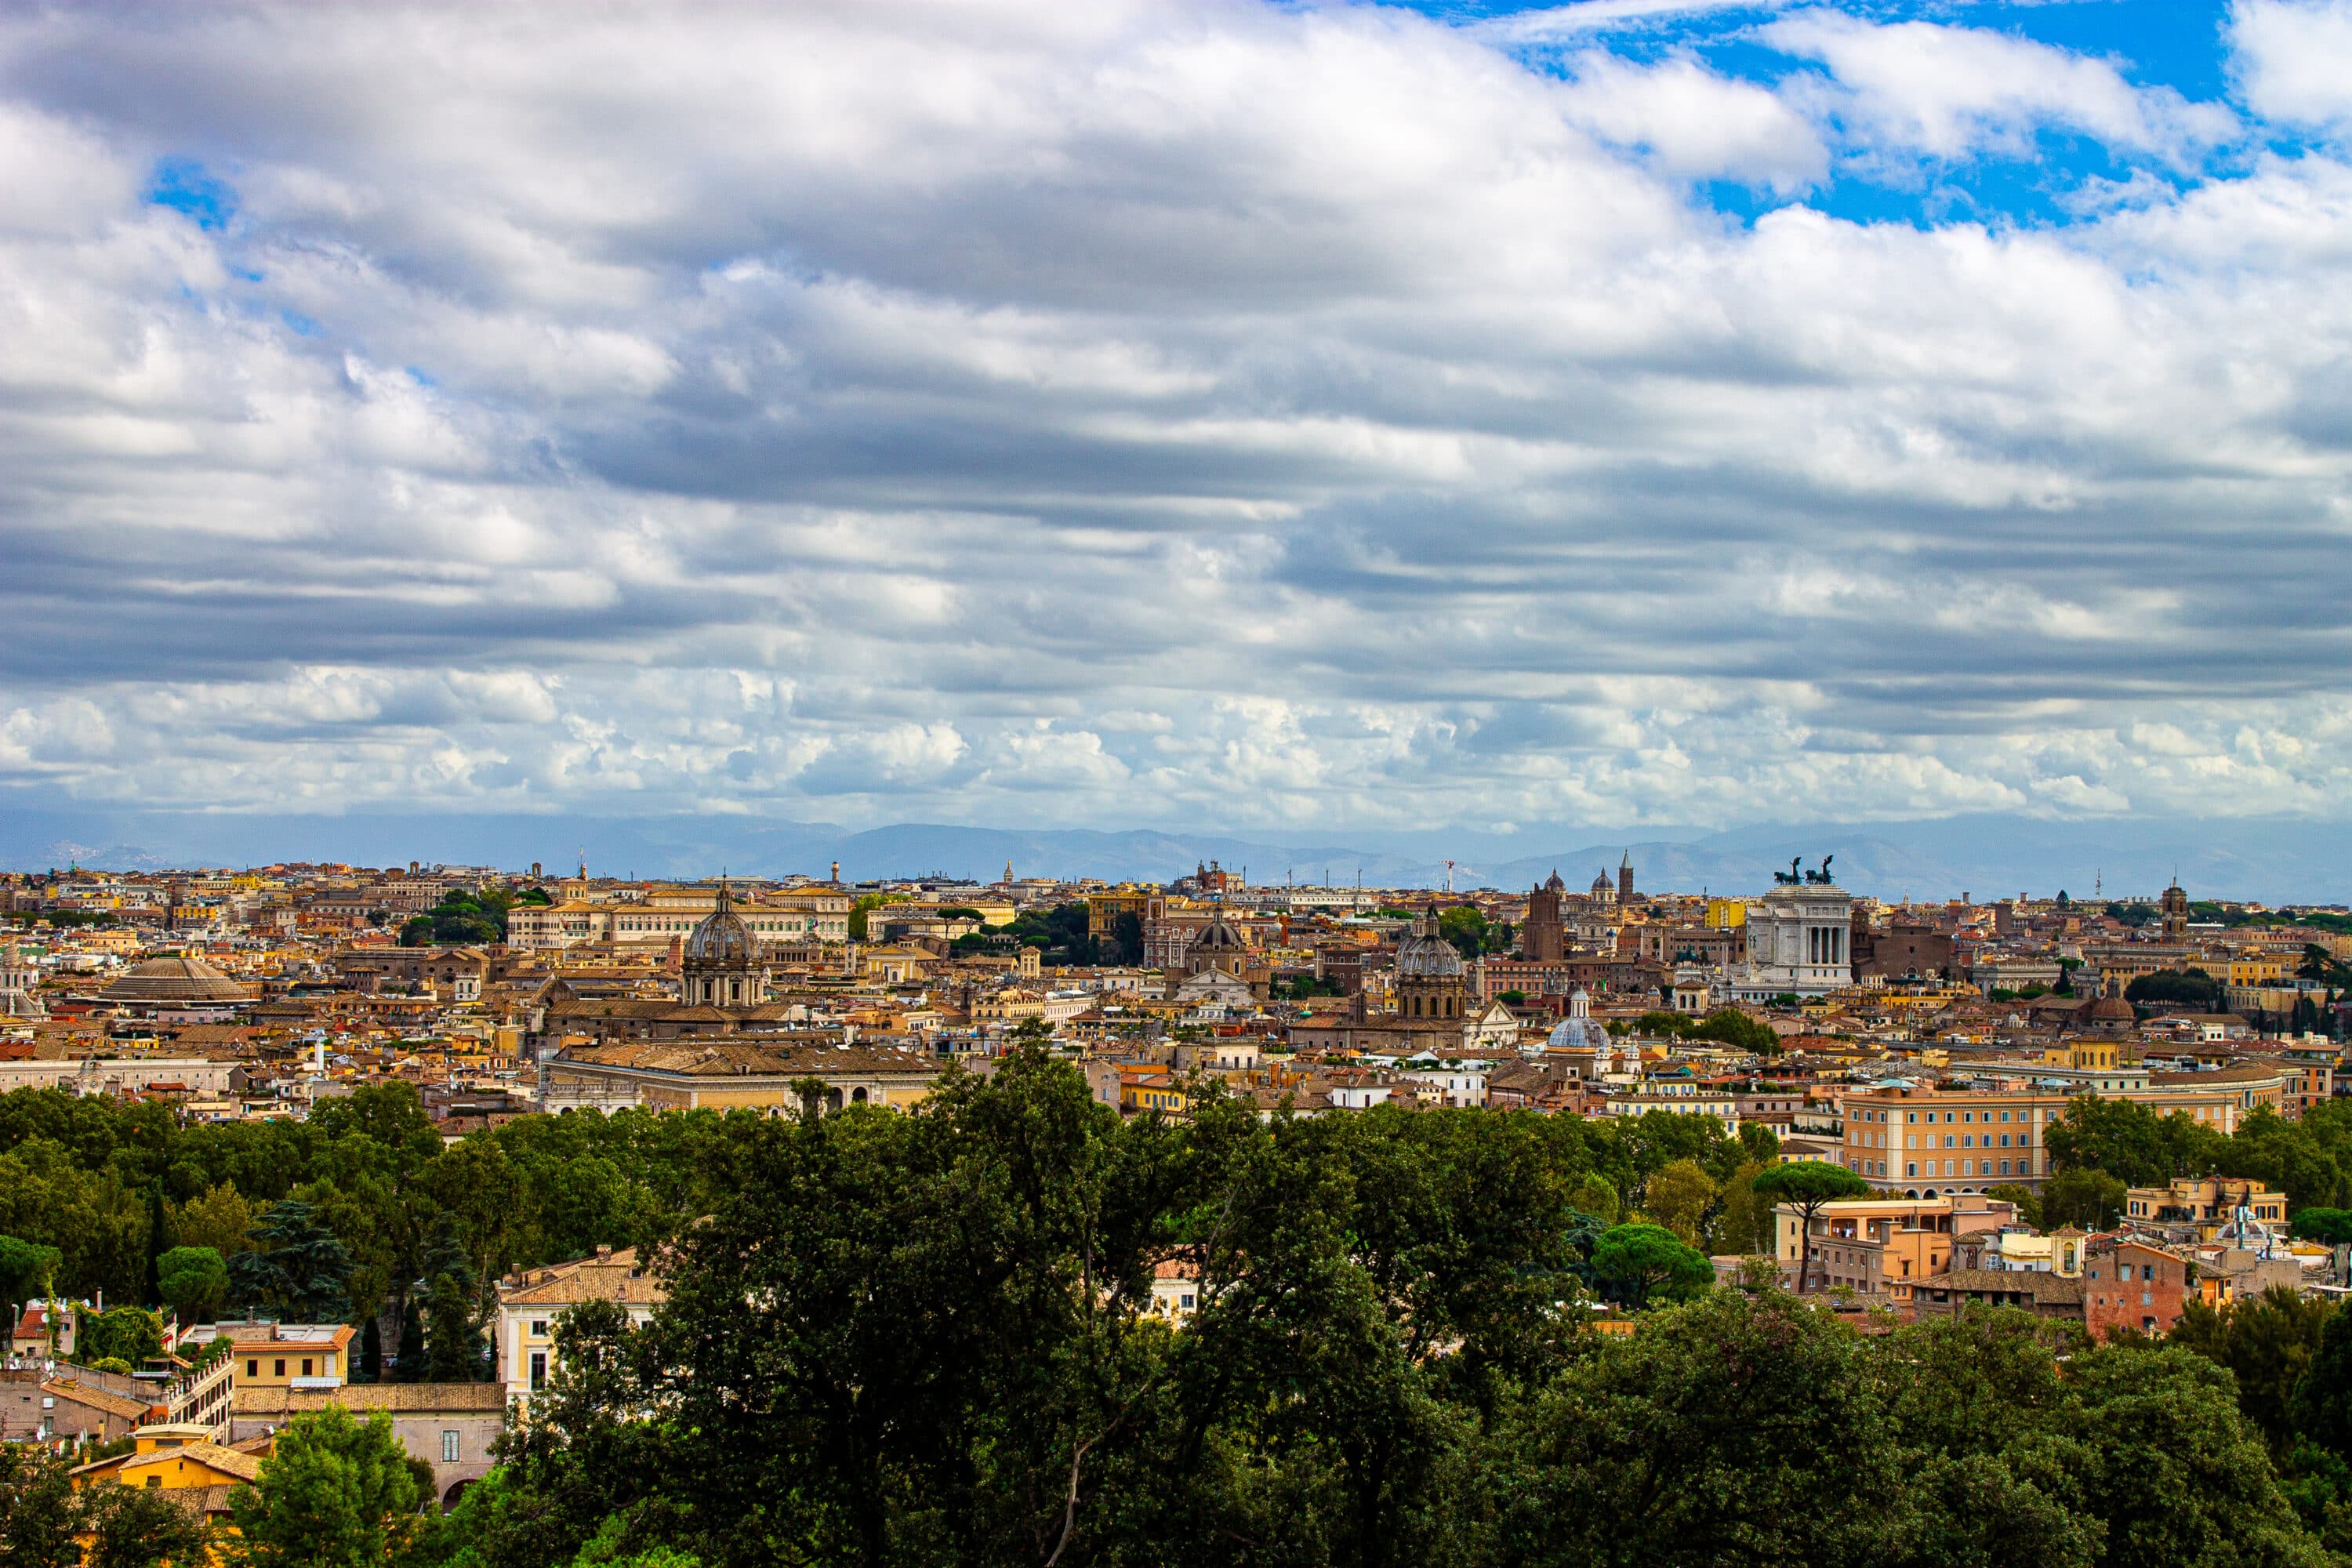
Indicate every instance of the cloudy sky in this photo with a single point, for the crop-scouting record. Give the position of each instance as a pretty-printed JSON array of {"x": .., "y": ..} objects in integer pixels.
[{"x": 1199, "y": 413}]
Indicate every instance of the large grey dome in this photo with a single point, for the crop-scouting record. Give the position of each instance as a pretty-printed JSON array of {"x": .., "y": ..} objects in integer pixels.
[
  {"x": 722, "y": 939},
  {"x": 1577, "y": 1033},
  {"x": 1425, "y": 956},
  {"x": 177, "y": 978}
]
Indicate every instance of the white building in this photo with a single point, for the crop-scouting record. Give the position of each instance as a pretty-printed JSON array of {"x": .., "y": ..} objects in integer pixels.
[
  {"x": 1678, "y": 1099},
  {"x": 1798, "y": 942},
  {"x": 531, "y": 1302}
]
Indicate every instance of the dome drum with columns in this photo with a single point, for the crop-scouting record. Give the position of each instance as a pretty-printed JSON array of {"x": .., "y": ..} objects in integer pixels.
[
  {"x": 722, "y": 965},
  {"x": 1431, "y": 981}
]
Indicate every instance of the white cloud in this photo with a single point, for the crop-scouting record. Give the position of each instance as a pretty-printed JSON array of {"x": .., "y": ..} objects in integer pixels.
[
  {"x": 2293, "y": 59},
  {"x": 1141, "y": 412},
  {"x": 1950, "y": 92},
  {"x": 1697, "y": 123}
]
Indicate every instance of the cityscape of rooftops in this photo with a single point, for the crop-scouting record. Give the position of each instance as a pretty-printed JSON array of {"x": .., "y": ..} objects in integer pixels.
[{"x": 1191, "y": 782}]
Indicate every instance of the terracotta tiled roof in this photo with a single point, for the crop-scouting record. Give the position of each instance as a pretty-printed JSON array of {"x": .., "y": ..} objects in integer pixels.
[
  {"x": 613, "y": 1277},
  {"x": 365, "y": 1396},
  {"x": 95, "y": 1398},
  {"x": 228, "y": 1461},
  {"x": 733, "y": 1058},
  {"x": 207, "y": 1502},
  {"x": 2040, "y": 1287}
]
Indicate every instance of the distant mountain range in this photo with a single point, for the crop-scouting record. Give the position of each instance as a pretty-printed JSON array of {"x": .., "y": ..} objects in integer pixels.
[{"x": 2275, "y": 859}]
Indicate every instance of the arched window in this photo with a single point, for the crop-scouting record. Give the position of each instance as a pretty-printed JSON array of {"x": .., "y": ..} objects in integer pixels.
[{"x": 856, "y": 1097}]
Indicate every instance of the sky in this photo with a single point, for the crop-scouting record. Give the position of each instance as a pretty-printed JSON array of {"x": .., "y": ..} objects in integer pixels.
[{"x": 1182, "y": 413}]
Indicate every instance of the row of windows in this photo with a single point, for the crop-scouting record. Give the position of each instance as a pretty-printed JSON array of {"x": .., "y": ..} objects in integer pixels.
[
  {"x": 278, "y": 1369},
  {"x": 1983, "y": 1168},
  {"x": 1966, "y": 1139}
]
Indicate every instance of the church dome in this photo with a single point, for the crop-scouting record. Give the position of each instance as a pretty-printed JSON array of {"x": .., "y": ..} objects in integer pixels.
[
  {"x": 2113, "y": 1009},
  {"x": 722, "y": 940},
  {"x": 1553, "y": 884},
  {"x": 1425, "y": 956},
  {"x": 177, "y": 978},
  {"x": 1220, "y": 937},
  {"x": 1577, "y": 1033},
  {"x": 1602, "y": 887}
]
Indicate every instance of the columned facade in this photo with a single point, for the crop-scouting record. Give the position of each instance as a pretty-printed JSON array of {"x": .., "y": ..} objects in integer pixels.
[{"x": 1800, "y": 941}]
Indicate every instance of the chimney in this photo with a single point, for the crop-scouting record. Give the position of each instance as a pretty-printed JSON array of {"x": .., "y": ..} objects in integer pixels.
[{"x": 603, "y": 1250}]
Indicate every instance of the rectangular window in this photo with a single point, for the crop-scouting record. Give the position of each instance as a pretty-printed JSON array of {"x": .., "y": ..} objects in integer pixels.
[
  {"x": 449, "y": 1447},
  {"x": 2004, "y": 1116},
  {"x": 1947, "y": 1141},
  {"x": 1911, "y": 1167},
  {"x": 537, "y": 1370},
  {"x": 539, "y": 1327},
  {"x": 306, "y": 1366},
  {"x": 278, "y": 1370},
  {"x": 253, "y": 1368}
]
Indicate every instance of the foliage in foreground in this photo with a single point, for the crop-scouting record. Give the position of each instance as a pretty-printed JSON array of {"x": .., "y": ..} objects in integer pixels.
[{"x": 914, "y": 1339}]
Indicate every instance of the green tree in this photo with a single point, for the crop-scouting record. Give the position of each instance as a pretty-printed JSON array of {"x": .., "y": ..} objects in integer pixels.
[
  {"x": 132, "y": 1335},
  {"x": 1807, "y": 1187},
  {"x": 1763, "y": 1145},
  {"x": 2028, "y": 1201},
  {"x": 1637, "y": 1261},
  {"x": 2193, "y": 988},
  {"x": 2268, "y": 1343},
  {"x": 1467, "y": 928},
  {"x": 1728, "y": 1430},
  {"x": 2132, "y": 1143},
  {"x": 2322, "y": 1401},
  {"x": 195, "y": 1281},
  {"x": 39, "y": 1511},
  {"x": 25, "y": 1270},
  {"x": 218, "y": 1219},
  {"x": 456, "y": 1347},
  {"x": 131, "y": 1526},
  {"x": 1597, "y": 1196},
  {"x": 334, "y": 1493},
  {"x": 2082, "y": 1196},
  {"x": 863, "y": 906},
  {"x": 1731, "y": 1026},
  {"x": 1743, "y": 1225},
  {"x": 300, "y": 1269},
  {"x": 1679, "y": 1198},
  {"x": 2176, "y": 1473},
  {"x": 2333, "y": 1227}
]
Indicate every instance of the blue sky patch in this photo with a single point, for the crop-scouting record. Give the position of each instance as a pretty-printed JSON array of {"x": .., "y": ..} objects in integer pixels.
[
  {"x": 185, "y": 185},
  {"x": 2051, "y": 175}
]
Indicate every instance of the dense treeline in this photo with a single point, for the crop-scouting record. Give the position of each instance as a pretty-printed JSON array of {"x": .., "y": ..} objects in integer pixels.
[
  {"x": 352, "y": 1211},
  {"x": 928, "y": 1338},
  {"x": 919, "y": 1339},
  {"x": 2309, "y": 1160},
  {"x": 361, "y": 1214}
]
